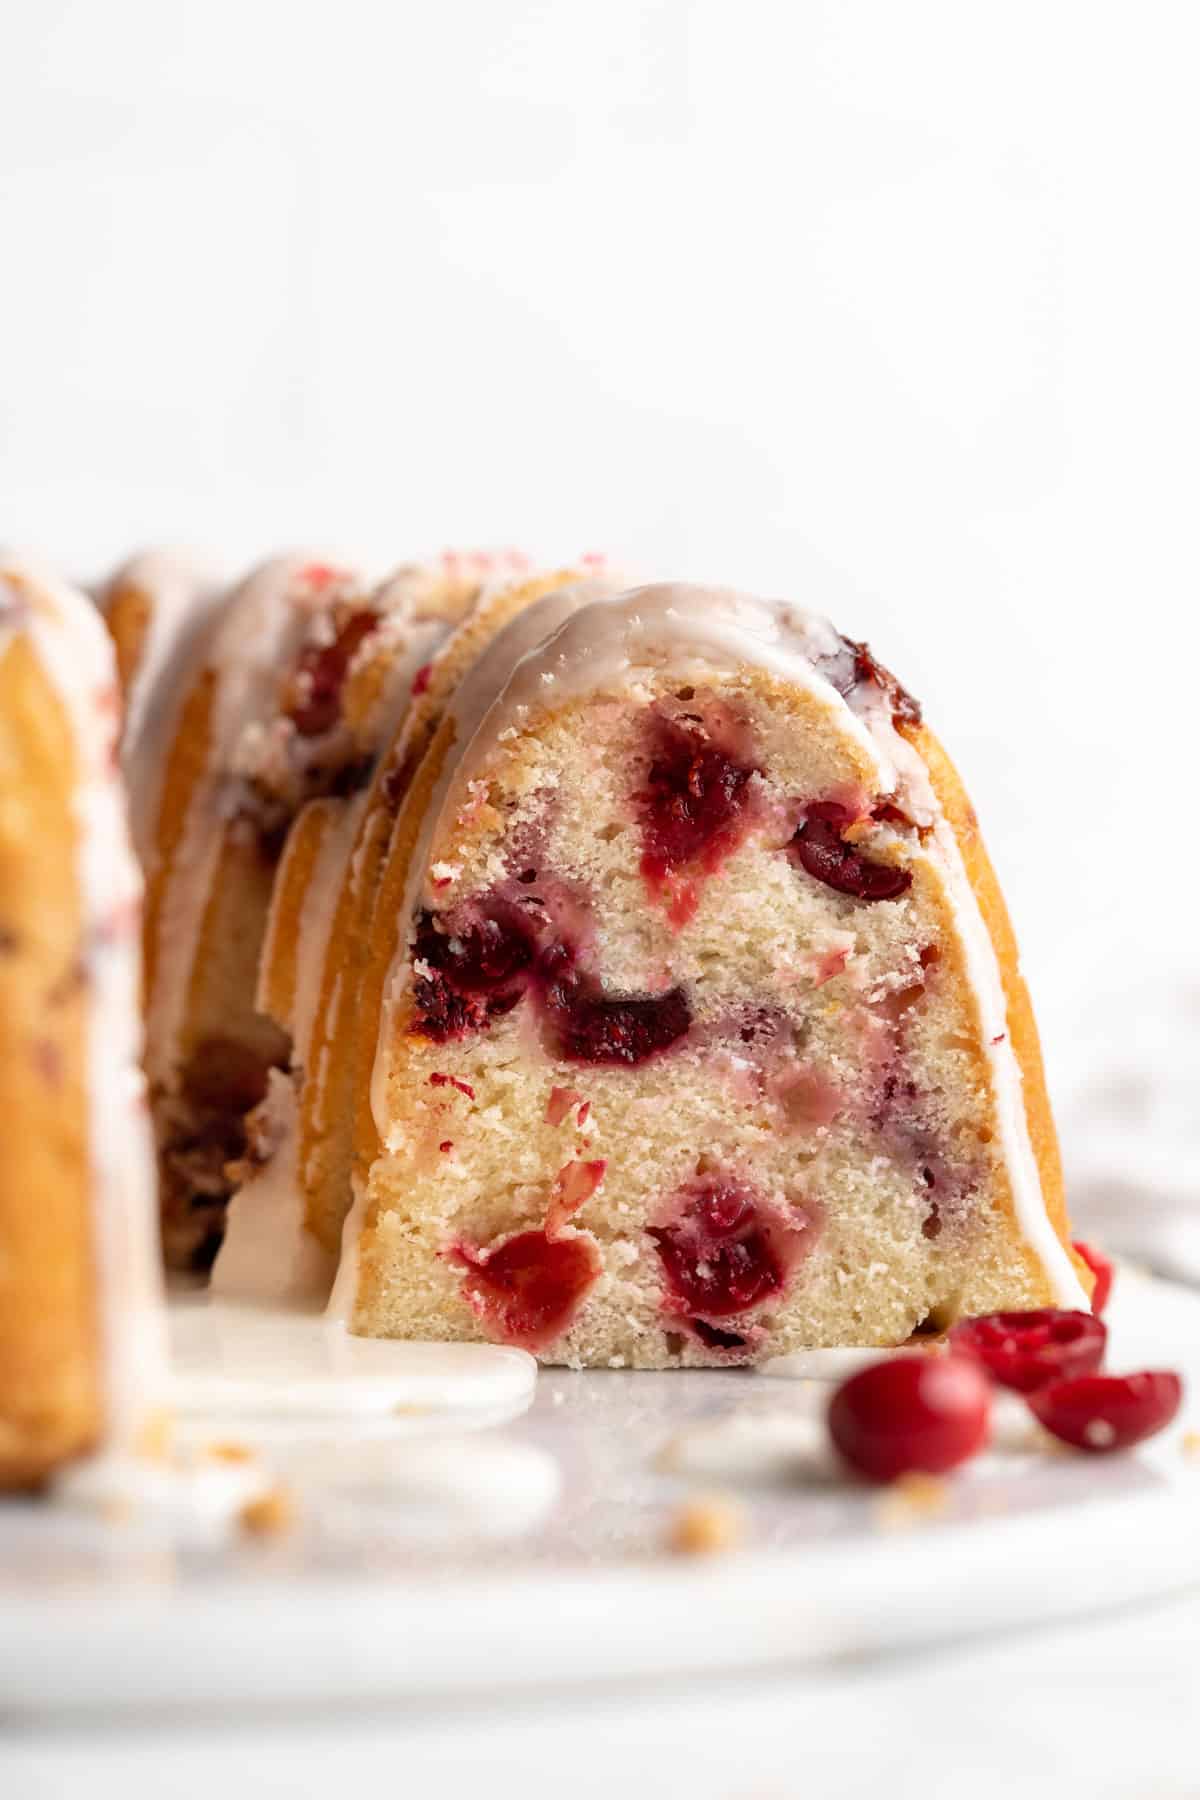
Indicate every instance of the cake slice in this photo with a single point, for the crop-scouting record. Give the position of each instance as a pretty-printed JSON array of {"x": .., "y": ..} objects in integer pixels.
[
  {"x": 81, "y": 1324},
  {"x": 693, "y": 1016}
]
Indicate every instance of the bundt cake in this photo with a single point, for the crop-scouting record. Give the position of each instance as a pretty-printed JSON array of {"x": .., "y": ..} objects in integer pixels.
[
  {"x": 320, "y": 899},
  {"x": 81, "y": 1348},
  {"x": 285, "y": 1221},
  {"x": 691, "y": 1029},
  {"x": 159, "y": 607}
]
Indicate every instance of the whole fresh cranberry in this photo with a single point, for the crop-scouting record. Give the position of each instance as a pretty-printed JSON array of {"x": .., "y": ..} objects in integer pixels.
[
  {"x": 1026, "y": 1350},
  {"x": 911, "y": 1414},
  {"x": 1101, "y": 1413},
  {"x": 1101, "y": 1268}
]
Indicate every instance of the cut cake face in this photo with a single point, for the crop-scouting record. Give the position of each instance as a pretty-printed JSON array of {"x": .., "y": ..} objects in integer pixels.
[{"x": 698, "y": 1033}]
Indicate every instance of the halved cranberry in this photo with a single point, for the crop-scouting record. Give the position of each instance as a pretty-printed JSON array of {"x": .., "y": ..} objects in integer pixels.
[
  {"x": 693, "y": 796},
  {"x": 320, "y": 673},
  {"x": 1101, "y": 1268},
  {"x": 863, "y": 666},
  {"x": 819, "y": 847},
  {"x": 475, "y": 971},
  {"x": 594, "y": 1027},
  {"x": 911, "y": 1414},
  {"x": 1100, "y": 1413},
  {"x": 1026, "y": 1350},
  {"x": 717, "y": 1254},
  {"x": 527, "y": 1290}
]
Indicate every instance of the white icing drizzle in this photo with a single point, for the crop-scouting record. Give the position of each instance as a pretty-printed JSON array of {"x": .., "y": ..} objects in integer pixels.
[
  {"x": 615, "y": 644},
  {"x": 262, "y": 627},
  {"x": 74, "y": 650},
  {"x": 267, "y": 1251},
  {"x": 184, "y": 592}
]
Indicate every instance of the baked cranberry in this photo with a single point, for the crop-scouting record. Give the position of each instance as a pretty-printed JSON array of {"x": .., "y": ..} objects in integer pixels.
[
  {"x": 1099, "y": 1413},
  {"x": 527, "y": 1290},
  {"x": 1101, "y": 1268},
  {"x": 692, "y": 800},
  {"x": 474, "y": 970},
  {"x": 1026, "y": 1350},
  {"x": 910, "y": 1414},
  {"x": 861, "y": 665},
  {"x": 321, "y": 672},
  {"x": 821, "y": 851},
  {"x": 717, "y": 1254},
  {"x": 591, "y": 1026}
]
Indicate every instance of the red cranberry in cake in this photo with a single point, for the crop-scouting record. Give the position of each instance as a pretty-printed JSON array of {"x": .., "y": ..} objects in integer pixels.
[
  {"x": 923, "y": 1414},
  {"x": 316, "y": 704},
  {"x": 468, "y": 970},
  {"x": 857, "y": 666},
  {"x": 591, "y": 1026},
  {"x": 822, "y": 852},
  {"x": 692, "y": 808},
  {"x": 1100, "y": 1413},
  {"x": 528, "y": 1289},
  {"x": 1025, "y": 1350},
  {"x": 722, "y": 1250},
  {"x": 1101, "y": 1268}
]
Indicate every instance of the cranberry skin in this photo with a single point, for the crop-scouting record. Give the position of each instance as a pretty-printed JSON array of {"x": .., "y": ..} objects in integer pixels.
[
  {"x": 692, "y": 802},
  {"x": 528, "y": 1290},
  {"x": 321, "y": 673},
  {"x": 1101, "y": 1268},
  {"x": 477, "y": 971},
  {"x": 1026, "y": 1350},
  {"x": 592, "y": 1027},
  {"x": 1102, "y": 1413},
  {"x": 911, "y": 1414},
  {"x": 717, "y": 1256},
  {"x": 821, "y": 852}
]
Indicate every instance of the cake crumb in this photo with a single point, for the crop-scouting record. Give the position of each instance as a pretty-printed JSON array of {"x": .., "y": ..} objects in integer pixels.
[
  {"x": 228, "y": 1451},
  {"x": 270, "y": 1515},
  {"x": 1189, "y": 1443},
  {"x": 911, "y": 1499},
  {"x": 707, "y": 1526}
]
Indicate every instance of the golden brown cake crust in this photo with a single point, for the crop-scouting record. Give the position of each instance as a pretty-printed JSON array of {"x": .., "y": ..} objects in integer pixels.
[{"x": 50, "y": 1393}]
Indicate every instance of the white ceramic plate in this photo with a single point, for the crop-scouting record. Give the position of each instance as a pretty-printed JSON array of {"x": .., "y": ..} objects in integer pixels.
[{"x": 434, "y": 1561}]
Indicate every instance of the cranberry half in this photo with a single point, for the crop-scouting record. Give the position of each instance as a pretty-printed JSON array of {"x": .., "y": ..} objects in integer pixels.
[
  {"x": 717, "y": 1255},
  {"x": 1026, "y": 1350},
  {"x": 475, "y": 971},
  {"x": 591, "y": 1026},
  {"x": 821, "y": 852},
  {"x": 911, "y": 1414},
  {"x": 1101, "y": 1413},
  {"x": 528, "y": 1289},
  {"x": 1101, "y": 1268}
]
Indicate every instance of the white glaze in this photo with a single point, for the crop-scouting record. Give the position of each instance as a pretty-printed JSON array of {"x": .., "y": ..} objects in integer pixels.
[
  {"x": 184, "y": 591},
  {"x": 617, "y": 643},
  {"x": 74, "y": 650},
  {"x": 267, "y": 1251},
  {"x": 290, "y": 1367}
]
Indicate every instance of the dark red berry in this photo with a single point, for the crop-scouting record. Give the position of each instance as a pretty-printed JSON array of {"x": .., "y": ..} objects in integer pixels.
[
  {"x": 821, "y": 851},
  {"x": 1101, "y": 1268},
  {"x": 474, "y": 969},
  {"x": 321, "y": 672},
  {"x": 692, "y": 805},
  {"x": 591, "y": 1026},
  {"x": 858, "y": 664},
  {"x": 1026, "y": 1350},
  {"x": 717, "y": 1254},
  {"x": 925, "y": 1413},
  {"x": 528, "y": 1289},
  {"x": 1099, "y": 1413}
]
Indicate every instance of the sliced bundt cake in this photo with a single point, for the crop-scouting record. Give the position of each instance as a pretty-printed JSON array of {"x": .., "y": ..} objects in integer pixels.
[
  {"x": 81, "y": 1349},
  {"x": 692, "y": 1011}
]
